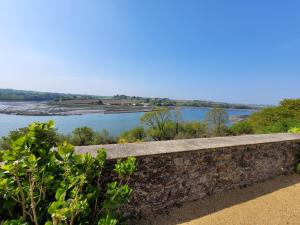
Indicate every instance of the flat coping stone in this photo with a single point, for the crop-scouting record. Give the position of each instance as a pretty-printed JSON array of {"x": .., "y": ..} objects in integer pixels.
[{"x": 116, "y": 151}]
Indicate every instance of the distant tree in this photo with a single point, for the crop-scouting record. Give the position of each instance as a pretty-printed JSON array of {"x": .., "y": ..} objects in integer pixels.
[
  {"x": 242, "y": 127},
  {"x": 83, "y": 136},
  {"x": 158, "y": 122},
  {"x": 135, "y": 135},
  {"x": 103, "y": 137},
  {"x": 192, "y": 130},
  {"x": 216, "y": 120}
]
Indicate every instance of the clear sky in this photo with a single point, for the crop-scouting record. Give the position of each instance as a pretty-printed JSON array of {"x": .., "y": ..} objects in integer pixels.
[{"x": 222, "y": 50}]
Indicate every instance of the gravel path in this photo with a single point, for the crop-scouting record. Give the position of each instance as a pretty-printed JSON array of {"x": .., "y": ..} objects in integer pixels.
[{"x": 274, "y": 202}]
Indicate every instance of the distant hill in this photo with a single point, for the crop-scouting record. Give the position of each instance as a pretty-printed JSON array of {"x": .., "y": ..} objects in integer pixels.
[
  {"x": 22, "y": 95},
  {"x": 182, "y": 103}
]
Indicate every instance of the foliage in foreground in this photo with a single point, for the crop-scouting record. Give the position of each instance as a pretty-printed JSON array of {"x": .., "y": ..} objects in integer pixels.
[
  {"x": 43, "y": 185},
  {"x": 79, "y": 136}
]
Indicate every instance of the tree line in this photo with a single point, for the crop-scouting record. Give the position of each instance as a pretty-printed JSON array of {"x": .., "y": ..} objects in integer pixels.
[{"x": 21, "y": 95}]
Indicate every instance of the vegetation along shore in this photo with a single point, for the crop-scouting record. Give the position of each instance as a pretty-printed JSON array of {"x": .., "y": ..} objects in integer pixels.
[
  {"x": 19, "y": 102},
  {"x": 164, "y": 124}
]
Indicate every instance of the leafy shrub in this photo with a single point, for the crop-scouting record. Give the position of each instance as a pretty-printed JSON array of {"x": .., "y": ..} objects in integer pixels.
[
  {"x": 83, "y": 136},
  {"x": 295, "y": 130},
  {"x": 277, "y": 119},
  {"x": 135, "y": 135},
  {"x": 243, "y": 127},
  {"x": 51, "y": 136},
  {"x": 43, "y": 185},
  {"x": 87, "y": 136},
  {"x": 165, "y": 132},
  {"x": 191, "y": 130},
  {"x": 103, "y": 137}
]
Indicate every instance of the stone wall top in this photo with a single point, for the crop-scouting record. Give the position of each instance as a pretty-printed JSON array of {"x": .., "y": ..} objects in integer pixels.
[{"x": 115, "y": 151}]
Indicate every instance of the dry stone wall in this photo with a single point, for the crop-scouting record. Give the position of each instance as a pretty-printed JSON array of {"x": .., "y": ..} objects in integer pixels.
[{"x": 187, "y": 170}]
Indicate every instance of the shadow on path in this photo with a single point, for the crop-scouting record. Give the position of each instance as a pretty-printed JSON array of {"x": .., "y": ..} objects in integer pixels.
[{"x": 217, "y": 202}]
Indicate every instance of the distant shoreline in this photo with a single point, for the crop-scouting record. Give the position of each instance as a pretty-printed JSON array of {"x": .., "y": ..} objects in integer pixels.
[{"x": 46, "y": 109}]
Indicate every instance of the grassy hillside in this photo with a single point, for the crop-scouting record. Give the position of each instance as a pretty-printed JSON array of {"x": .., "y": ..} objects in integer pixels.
[{"x": 20, "y": 95}]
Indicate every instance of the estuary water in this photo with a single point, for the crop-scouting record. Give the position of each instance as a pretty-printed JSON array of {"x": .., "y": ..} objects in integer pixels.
[{"x": 114, "y": 123}]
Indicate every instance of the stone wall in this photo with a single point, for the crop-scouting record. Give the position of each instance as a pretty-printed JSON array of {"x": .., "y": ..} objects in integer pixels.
[{"x": 173, "y": 172}]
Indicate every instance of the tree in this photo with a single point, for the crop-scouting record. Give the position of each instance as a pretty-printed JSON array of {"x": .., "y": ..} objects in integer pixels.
[
  {"x": 103, "y": 137},
  {"x": 158, "y": 122},
  {"x": 135, "y": 135},
  {"x": 191, "y": 130},
  {"x": 217, "y": 119},
  {"x": 242, "y": 127},
  {"x": 83, "y": 136}
]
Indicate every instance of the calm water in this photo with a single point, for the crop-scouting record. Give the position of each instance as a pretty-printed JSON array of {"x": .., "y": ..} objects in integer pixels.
[{"x": 114, "y": 123}]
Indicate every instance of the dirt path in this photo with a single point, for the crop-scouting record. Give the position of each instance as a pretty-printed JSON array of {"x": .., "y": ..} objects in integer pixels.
[{"x": 274, "y": 202}]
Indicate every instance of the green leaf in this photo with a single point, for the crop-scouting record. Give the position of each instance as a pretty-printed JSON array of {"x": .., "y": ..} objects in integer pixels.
[
  {"x": 60, "y": 194},
  {"x": 65, "y": 149},
  {"x": 48, "y": 223},
  {"x": 56, "y": 206},
  {"x": 15, "y": 222},
  {"x": 108, "y": 220},
  {"x": 116, "y": 196},
  {"x": 7, "y": 167},
  {"x": 126, "y": 168},
  {"x": 51, "y": 124},
  {"x": 48, "y": 179},
  {"x": 3, "y": 184},
  {"x": 101, "y": 155},
  {"x": 32, "y": 159}
]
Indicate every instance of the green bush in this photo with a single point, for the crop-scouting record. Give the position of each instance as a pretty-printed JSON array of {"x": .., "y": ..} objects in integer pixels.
[
  {"x": 87, "y": 136},
  {"x": 242, "y": 127},
  {"x": 40, "y": 184},
  {"x": 103, "y": 137},
  {"x": 191, "y": 130},
  {"x": 277, "y": 119},
  {"x": 51, "y": 136},
  {"x": 134, "y": 135},
  {"x": 83, "y": 136},
  {"x": 295, "y": 130}
]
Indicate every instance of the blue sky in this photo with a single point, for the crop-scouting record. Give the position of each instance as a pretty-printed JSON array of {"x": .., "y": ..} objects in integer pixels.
[{"x": 221, "y": 50}]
